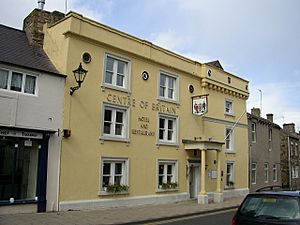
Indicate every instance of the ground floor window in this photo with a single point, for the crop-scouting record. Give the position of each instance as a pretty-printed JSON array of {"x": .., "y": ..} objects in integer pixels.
[
  {"x": 230, "y": 174},
  {"x": 114, "y": 175},
  {"x": 295, "y": 171},
  {"x": 275, "y": 173},
  {"x": 253, "y": 173},
  {"x": 167, "y": 174},
  {"x": 18, "y": 168},
  {"x": 266, "y": 172}
]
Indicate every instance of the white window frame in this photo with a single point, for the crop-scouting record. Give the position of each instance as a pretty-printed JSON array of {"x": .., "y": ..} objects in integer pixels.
[
  {"x": 24, "y": 75},
  {"x": 127, "y": 73},
  {"x": 266, "y": 172},
  {"x": 253, "y": 132},
  {"x": 230, "y": 138},
  {"x": 229, "y": 110},
  {"x": 295, "y": 171},
  {"x": 165, "y": 97},
  {"x": 165, "y": 163},
  {"x": 113, "y": 161},
  {"x": 275, "y": 173},
  {"x": 296, "y": 149},
  {"x": 165, "y": 140},
  {"x": 230, "y": 177},
  {"x": 125, "y": 130},
  {"x": 253, "y": 173}
]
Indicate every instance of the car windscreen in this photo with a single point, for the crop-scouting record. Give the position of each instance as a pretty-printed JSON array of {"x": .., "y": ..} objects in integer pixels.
[{"x": 271, "y": 207}]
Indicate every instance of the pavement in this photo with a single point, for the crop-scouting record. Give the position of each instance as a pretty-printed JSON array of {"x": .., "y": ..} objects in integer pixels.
[{"x": 120, "y": 215}]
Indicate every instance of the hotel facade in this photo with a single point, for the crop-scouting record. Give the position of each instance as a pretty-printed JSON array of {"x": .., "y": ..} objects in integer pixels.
[{"x": 147, "y": 125}]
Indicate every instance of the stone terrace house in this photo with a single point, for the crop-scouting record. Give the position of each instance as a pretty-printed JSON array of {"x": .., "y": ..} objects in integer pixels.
[
  {"x": 264, "y": 151},
  {"x": 31, "y": 109},
  {"x": 290, "y": 158}
]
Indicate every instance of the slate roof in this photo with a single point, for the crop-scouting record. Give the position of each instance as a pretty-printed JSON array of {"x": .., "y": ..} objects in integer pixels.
[{"x": 16, "y": 50}]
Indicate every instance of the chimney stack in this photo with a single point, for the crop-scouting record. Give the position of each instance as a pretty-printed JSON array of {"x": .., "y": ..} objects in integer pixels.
[
  {"x": 289, "y": 127},
  {"x": 270, "y": 117},
  {"x": 33, "y": 24},
  {"x": 255, "y": 112},
  {"x": 41, "y": 4}
]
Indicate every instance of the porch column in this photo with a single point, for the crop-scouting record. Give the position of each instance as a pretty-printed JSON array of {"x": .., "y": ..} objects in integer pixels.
[
  {"x": 202, "y": 197},
  {"x": 218, "y": 195}
]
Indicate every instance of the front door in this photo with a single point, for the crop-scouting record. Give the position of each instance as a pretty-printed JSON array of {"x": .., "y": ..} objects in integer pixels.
[{"x": 194, "y": 179}]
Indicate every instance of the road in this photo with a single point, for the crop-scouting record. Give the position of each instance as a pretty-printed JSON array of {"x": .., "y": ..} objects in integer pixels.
[{"x": 223, "y": 218}]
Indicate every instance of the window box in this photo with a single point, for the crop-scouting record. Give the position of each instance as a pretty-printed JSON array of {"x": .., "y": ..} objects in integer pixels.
[{"x": 116, "y": 188}]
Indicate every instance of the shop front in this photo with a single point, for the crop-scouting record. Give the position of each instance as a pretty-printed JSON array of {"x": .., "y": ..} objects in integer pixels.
[{"x": 23, "y": 168}]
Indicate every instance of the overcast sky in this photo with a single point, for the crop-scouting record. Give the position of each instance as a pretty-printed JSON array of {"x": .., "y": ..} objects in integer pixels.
[{"x": 258, "y": 40}]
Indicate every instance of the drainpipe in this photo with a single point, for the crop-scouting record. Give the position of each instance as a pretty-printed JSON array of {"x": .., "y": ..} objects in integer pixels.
[{"x": 289, "y": 161}]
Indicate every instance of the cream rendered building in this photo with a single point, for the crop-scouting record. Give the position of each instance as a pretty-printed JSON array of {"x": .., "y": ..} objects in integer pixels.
[{"x": 130, "y": 135}]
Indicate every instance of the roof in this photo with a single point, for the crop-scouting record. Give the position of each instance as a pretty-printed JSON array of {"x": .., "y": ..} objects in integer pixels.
[
  {"x": 216, "y": 64},
  {"x": 16, "y": 50},
  {"x": 263, "y": 120}
]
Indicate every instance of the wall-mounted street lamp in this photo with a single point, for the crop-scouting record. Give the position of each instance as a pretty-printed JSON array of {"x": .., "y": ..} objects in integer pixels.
[{"x": 79, "y": 75}]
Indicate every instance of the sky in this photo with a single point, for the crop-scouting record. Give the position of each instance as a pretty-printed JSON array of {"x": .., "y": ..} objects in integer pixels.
[{"x": 258, "y": 40}]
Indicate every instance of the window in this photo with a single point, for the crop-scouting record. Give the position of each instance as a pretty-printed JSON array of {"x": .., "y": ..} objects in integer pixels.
[
  {"x": 295, "y": 171},
  {"x": 18, "y": 82},
  {"x": 296, "y": 149},
  {"x": 167, "y": 129},
  {"x": 266, "y": 172},
  {"x": 292, "y": 149},
  {"x": 168, "y": 87},
  {"x": 270, "y": 134},
  {"x": 167, "y": 174},
  {"x": 253, "y": 132},
  {"x": 229, "y": 139},
  {"x": 115, "y": 122},
  {"x": 253, "y": 173},
  {"x": 275, "y": 173},
  {"x": 228, "y": 107},
  {"x": 114, "y": 172},
  {"x": 116, "y": 72},
  {"x": 230, "y": 174}
]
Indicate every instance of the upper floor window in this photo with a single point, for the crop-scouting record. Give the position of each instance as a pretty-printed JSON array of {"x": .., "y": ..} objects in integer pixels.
[
  {"x": 18, "y": 82},
  {"x": 296, "y": 149},
  {"x": 253, "y": 132},
  {"x": 116, "y": 72},
  {"x": 270, "y": 134},
  {"x": 228, "y": 107},
  {"x": 229, "y": 139},
  {"x": 115, "y": 122},
  {"x": 167, "y": 129},
  {"x": 168, "y": 87}
]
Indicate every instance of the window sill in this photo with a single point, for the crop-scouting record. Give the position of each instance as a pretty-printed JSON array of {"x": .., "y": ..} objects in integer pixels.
[
  {"x": 168, "y": 144},
  {"x": 108, "y": 138},
  {"x": 230, "y": 152},
  {"x": 175, "y": 101},
  {"x": 167, "y": 190},
  {"x": 229, "y": 114},
  {"x": 105, "y": 193},
  {"x": 112, "y": 87},
  {"x": 229, "y": 188}
]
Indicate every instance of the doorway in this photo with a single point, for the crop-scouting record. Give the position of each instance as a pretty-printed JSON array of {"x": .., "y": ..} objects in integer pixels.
[{"x": 194, "y": 179}]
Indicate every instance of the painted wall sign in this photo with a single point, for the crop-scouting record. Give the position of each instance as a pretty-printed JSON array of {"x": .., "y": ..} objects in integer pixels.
[
  {"x": 132, "y": 102},
  {"x": 144, "y": 127},
  {"x": 199, "y": 105},
  {"x": 23, "y": 134}
]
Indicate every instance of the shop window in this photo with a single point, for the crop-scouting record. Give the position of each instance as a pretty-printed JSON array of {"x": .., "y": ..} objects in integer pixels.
[
  {"x": 18, "y": 82},
  {"x": 167, "y": 174},
  {"x": 18, "y": 168}
]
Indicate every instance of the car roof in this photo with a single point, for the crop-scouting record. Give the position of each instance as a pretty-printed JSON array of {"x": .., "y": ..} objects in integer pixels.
[{"x": 278, "y": 193}]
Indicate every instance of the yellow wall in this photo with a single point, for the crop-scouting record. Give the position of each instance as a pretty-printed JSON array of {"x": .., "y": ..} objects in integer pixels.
[{"x": 82, "y": 151}]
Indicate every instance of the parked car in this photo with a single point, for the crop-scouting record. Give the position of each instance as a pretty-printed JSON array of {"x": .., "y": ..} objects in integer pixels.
[{"x": 268, "y": 208}]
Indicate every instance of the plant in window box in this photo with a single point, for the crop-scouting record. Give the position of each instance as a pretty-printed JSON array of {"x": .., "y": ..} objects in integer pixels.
[
  {"x": 230, "y": 184},
  {"x": 169, "y": 185},
  {"x": 116, "y": 188}
]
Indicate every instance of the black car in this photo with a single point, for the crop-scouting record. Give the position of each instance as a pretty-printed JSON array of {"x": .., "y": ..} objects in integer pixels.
[{"x": 268, "y": 208}]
